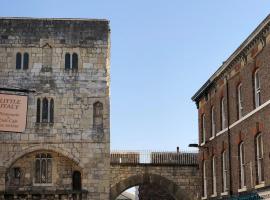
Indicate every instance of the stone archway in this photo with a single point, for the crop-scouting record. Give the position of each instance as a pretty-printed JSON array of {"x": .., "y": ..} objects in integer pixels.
[
  {"x": 18, "y": 155},
  {"x": 174, "y": 190}
]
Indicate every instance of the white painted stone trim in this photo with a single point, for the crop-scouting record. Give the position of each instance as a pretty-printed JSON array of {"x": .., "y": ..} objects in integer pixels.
[
  {"x": 224, "y": 194},
  {"x": 261, "y": 185},
  {"x": 244, "y": 189}
]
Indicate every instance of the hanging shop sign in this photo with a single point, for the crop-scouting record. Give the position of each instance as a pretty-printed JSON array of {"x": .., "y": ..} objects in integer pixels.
[{"x": 13, "y": 111}]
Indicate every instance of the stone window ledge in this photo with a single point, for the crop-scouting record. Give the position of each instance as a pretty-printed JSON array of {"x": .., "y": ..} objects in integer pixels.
[
  {"x": 214, "y": 195},
  {"x": 244, "y": 189},
  {"x": 224, "y": 194},
  {"x": 261, "y": 185}
]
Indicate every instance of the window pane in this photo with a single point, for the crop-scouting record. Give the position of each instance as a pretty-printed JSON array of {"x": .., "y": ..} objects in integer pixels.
[
  {"x": 67, "y": 61},
  {"x": 45, "y": 110},
  {"x": 38, "y": 111},
  {"x": 43, "y": 171},
  {"x": 25, "y": 60},
  {"x": 74, "y": 61},
  {"x": 49, "y": 170},
  {"x": 37, "y": 177},
  {"x": 51, "y": 111},
  {"x": 18, "y": 61}
]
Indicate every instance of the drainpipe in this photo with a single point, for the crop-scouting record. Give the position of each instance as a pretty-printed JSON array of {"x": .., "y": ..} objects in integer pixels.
[{"x": 229, "y": 134}]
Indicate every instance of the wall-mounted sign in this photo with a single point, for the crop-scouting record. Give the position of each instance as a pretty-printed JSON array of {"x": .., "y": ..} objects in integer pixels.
[{"x": 13, "y": 111}]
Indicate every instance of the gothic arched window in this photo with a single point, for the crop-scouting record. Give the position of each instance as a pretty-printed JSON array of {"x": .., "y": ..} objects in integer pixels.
[
  {"x": 98, "y": 117},
  {"x": 43, "y": 168},
  {"x": 18, "y": 61},
  {"x": 76, "y": 181},
  {"x": 25, "y": 60},
  {"x": 74, "y": 61},
  {"x": 51, "y": 111},
  {"x": 45, "y": 110},
  {"x": 67, "y": 61},
  {"x": 38, "y": 111}
]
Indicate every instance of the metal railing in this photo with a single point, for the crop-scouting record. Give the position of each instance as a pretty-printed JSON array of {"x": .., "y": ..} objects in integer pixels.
[{"x": 154, "y": 157}]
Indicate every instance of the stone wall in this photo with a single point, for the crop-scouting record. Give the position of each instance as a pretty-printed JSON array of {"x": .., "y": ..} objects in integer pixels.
[
  {"x": 72, "y": 135},
  {"x": 180, "y": 182}
]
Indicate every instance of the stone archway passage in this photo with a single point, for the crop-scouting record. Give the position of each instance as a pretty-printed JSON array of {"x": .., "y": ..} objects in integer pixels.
[{"x": 176, "y": 192}]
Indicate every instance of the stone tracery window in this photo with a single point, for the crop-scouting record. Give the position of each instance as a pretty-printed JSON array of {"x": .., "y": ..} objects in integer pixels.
[
  {"x": 43, "y": 168},
  {"x": 45, "y": 110},
  {"x": 98, "y": 117}
]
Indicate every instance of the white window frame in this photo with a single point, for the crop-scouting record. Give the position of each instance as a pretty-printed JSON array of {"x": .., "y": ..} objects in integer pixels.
[
  {"x": 213, "y": 122},
  {"x": 223, "y": 117},
  {"x": 257, "y": 89},
  {"x": 242, "y": 165},
  {"x": 224, "y": 171},
  {"x": 203, "y": 129},
  {"x": 240, "y": 101},
  {"x": 214, "y": 178},
  {"x": 204, "y": 180},
  {"x": 259, "y": 158}
]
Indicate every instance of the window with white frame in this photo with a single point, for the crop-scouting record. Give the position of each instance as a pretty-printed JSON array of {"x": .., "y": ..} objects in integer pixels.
[
  {"x": 213, "y": 122},
  {"x": 222, "y": 114},
  {"x": 214, "y": 176},
  {"x": 224, "y": 172},
  {"x": 203, "y": 128},
  {"x": 241, "y": 165},
  {"x": 259, "y": 159},
  {"x": 257, "y": 89},
  {"x": 204, "y": 179},
  {"x": 239, "y": 101}
]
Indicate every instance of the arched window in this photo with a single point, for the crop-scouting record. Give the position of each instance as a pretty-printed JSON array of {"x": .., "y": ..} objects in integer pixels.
[
  {"x": 45, "y": 105},
  {"x": 224, "y": 171},
  {"x": 222, "y": 113},
  {"x": 239, "y": 101},
  {"x": 204, "y": 179},
  {"x": 75, "y": 61},
  {"x": 45, "y": 110},
  {"x": 43, "y": 168},
  {"x": 38, "y": 111},
  {"x": 214, "y": 176},
  {"x": 25, "y": 60},
  {"x": 67, "y": 61},
  {"x": 241, "y": 166},
  {"x": 51, "y": 111},
  {"x": 98, "y": 117},
  {"x": 76, "y": 181},
  {"x": 257, "y": 89},
  {"x": 213, "y": 122},
  {"x": 18, "y": 61},
  {"x": 203, "y": 128},
  {"x": 259, "y": 159}
]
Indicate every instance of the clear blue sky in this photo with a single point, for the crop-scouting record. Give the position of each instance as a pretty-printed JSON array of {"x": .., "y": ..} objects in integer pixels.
[{"x": 162, "y": 52}]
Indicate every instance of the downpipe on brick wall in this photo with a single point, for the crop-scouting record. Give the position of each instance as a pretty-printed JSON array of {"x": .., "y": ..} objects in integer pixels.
[{"x": 229, "y": 134}]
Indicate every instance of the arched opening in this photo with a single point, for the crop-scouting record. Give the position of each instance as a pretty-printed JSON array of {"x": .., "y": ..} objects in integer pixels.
[
  {"x": 76, "y": 181},
  {"x": 150, "y": 186},
  {"x": 42, "y": 168}
]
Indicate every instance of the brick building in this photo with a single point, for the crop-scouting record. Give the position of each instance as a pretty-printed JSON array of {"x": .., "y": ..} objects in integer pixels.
[
  {"x": 234, "y": 123},
  {"x": 64, "y": 152}
]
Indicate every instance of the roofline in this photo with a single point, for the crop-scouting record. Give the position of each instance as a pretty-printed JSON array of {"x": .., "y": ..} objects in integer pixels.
[
  {"x": 225, "y": 64},
  {"x": 56, "y": 19}
]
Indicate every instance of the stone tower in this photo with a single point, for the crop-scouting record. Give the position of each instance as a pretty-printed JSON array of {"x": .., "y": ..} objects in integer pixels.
[{"x": 63, "y": 153}]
